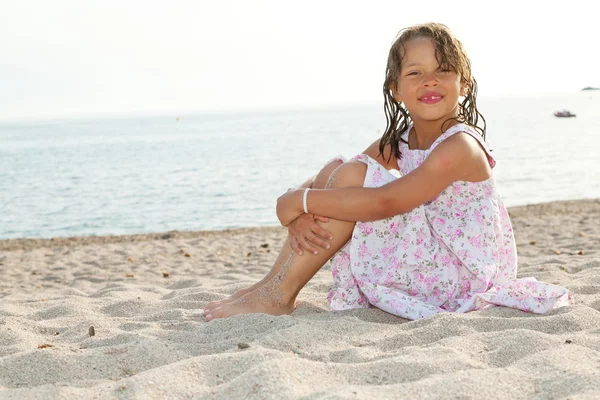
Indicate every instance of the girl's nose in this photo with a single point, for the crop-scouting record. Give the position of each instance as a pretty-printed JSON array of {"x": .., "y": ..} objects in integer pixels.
[{"x": 430, "y": 80}]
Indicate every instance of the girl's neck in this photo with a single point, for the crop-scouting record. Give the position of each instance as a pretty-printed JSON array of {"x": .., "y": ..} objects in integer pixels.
[{"x": 424, "y": 133}]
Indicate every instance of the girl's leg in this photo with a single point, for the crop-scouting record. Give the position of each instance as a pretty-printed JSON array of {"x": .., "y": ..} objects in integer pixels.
[
  {"x": 319, "y": 182},
  {"x": 291, "y": 272}
]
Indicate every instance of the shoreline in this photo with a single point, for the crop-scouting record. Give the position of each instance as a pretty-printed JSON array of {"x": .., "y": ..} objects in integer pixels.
[{"x": 553, "y": 207}]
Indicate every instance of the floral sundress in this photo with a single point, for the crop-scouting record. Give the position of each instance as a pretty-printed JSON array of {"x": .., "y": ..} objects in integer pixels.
[{"x": 456, "y": 253}]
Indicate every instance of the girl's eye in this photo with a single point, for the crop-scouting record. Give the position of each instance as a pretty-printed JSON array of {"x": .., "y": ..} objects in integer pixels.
[
  {"x": 444, "y": 71},
  {"x": 413, "y": 73}
]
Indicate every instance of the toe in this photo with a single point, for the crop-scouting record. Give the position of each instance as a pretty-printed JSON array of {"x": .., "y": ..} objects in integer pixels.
[
  {"x": 217, "y": 313},
  {"x": 212, "y": 305}
]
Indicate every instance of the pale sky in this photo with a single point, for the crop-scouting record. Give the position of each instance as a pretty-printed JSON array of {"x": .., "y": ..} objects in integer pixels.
[{"x": 66, "y": 58}]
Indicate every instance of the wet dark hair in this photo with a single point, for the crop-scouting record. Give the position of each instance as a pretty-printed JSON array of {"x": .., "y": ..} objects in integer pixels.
[{"x": 451, "y": 55}]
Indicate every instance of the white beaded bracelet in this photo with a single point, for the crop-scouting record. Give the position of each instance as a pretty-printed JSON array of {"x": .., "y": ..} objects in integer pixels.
[{"x": 304, "y": 200}]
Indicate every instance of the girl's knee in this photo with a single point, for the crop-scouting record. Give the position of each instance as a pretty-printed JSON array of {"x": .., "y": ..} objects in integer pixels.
[
  {"x": 323, "y": 177},
  {"x": 349, "y": 174}
]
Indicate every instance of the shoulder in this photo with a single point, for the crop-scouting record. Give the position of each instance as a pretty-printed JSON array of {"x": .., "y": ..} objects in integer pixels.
[
  {"x": 462, "y": 154},
  {"x": 460, "y": 146}
]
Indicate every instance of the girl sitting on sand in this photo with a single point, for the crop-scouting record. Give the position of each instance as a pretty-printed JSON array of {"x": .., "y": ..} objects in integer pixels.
[{"x": 438, "y": 238}]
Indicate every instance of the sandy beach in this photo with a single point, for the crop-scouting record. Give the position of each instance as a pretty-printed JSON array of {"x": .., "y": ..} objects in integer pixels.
[{"x": 121, "y": 317}]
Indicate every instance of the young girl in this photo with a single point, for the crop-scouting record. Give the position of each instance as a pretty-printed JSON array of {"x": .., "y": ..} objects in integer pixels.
[{"x": 440, "y": 238}]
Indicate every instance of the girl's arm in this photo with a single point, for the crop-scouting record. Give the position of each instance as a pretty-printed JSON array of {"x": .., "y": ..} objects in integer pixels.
[{"x": 457, "y": 158}]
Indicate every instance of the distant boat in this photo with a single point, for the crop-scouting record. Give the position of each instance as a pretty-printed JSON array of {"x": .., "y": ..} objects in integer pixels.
[
  {"x": 564, "y": 114},
  {"x": 590, "y": 88}
]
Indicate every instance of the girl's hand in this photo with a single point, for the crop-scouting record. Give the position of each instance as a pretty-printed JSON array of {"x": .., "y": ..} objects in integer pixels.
[
  {"x": 306, "y": 234},
  {"x": 289, "y": 206}
]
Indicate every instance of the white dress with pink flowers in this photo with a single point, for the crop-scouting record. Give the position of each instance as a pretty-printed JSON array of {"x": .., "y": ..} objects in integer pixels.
[{"x": 454, "y": 253}]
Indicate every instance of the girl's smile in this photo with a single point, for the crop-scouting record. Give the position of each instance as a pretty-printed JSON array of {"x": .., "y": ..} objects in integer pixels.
[{"x": 431, "y": 98}]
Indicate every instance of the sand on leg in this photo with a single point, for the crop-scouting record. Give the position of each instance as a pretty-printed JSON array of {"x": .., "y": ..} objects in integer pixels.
[
  {"x": 319, "y": 182},
  {"x": 278, "y": 295}
]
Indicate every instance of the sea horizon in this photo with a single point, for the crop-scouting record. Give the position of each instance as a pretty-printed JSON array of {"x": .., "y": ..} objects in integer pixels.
[{"x": 267, "y": 108}]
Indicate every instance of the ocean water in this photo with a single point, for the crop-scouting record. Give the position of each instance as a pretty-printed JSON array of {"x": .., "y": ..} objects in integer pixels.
[{"x": 226, "y": 170}]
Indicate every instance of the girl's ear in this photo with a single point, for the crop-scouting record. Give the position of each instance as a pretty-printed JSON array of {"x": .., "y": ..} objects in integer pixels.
[
  {"x": 395, "y": 92},
  {"x": 463, "y": 89}
]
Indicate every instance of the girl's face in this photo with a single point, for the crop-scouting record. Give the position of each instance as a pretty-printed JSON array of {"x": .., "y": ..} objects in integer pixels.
[{"x": 428, "y": 92}]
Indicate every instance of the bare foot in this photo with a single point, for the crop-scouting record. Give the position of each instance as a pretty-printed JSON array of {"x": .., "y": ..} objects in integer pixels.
[
  {"x": 273, "y": 272},
  {"x": 216, "y": 304},
  {"x": 266, "y": 290},
  {"x": 265, "y": 300}
]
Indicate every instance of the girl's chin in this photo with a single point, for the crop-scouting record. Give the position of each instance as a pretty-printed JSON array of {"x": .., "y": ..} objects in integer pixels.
[{"x": 431, "y": 116}]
